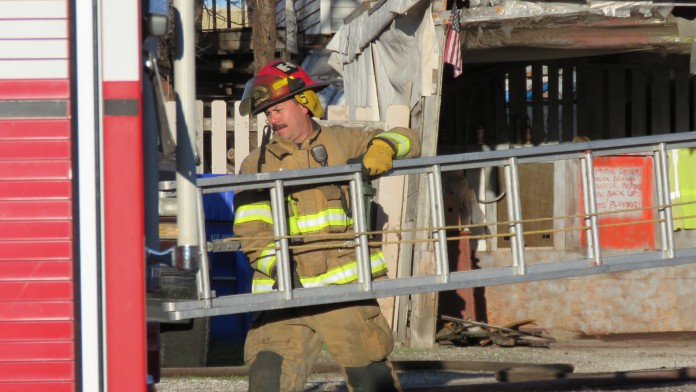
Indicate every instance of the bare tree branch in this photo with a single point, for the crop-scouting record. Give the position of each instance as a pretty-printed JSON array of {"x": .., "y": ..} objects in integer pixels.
[{"x": 263, "y": 36}]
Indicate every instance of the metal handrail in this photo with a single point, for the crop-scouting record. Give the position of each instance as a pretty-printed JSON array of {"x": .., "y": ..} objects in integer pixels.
[{"x": 442, "y": 279}]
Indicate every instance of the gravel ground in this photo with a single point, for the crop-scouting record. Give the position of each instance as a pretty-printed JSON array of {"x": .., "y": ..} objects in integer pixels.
[{"x": 586, "y": 355}]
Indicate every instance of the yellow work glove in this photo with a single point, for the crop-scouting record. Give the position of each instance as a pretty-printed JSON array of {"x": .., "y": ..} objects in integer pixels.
[{"x": 378, "y": 158}]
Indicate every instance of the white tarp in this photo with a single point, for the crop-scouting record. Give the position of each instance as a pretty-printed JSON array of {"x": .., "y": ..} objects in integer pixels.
[
  {"x": 391, "y": 56},
  {"x": 387, "y": 57}
]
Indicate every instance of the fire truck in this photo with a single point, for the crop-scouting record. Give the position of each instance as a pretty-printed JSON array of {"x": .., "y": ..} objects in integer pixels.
[{"x": 78, "y": 123}]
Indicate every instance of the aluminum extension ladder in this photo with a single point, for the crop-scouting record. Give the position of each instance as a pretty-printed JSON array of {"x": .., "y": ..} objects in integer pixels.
[{"x": 441, "y": 278}]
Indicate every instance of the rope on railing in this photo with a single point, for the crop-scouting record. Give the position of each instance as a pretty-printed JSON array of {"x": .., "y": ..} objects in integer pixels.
[{"x": 350, "y": 236}]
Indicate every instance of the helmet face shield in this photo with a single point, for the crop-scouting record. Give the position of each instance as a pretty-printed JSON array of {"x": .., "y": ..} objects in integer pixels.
[{"x": 266, "y": 90}]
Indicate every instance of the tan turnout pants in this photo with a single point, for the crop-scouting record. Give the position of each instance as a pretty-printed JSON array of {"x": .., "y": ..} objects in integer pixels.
[{"x": 355, "y": 334}]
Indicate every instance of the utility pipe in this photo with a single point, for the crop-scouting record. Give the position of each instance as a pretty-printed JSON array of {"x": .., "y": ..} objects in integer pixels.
[{"x": 188, "y": 244}]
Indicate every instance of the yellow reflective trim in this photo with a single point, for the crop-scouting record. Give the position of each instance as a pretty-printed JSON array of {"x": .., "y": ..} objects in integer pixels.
[
  {"x": 293, "y": 227},
  {"x": 402, "y": 143},
  {"x": 262, "y": 285},
  {"x": 282, "y": 82},
  {"x": 340, "y": 275},
  {"x": 267, "y": 259},
  {"x": 254, "y": 212},
  {"x": 329, "y": 217},
  {"x": 345, "y": 273}
]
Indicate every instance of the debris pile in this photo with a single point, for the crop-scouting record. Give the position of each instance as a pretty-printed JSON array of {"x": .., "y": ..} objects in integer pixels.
[{"x": 460, "y": 332}]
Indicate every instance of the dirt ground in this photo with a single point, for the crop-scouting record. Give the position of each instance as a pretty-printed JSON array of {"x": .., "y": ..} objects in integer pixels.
[{"x": 669, "y": 359}]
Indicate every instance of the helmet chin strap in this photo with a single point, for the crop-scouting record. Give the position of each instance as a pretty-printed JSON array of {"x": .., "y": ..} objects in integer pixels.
[{"x": 264, "y": 141}]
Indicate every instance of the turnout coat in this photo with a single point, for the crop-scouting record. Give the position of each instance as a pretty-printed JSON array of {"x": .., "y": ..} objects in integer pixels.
[{"x": 316, "y": 214}]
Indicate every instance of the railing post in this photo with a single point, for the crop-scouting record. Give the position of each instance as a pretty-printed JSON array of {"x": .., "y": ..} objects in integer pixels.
[
  {"x": 280, "y": 230},
  {"x": 664, "y": 199},
  {"x": 359, "y": 225},
  {"x": 203, "y": 274},
  {"x": 515, "y": 216},
  {"x": 590, "y": 208},
  {"x": 438, "y": 219}
]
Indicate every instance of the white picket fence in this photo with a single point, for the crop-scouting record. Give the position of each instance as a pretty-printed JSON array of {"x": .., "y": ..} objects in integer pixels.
[{"x": 230, "y": 134}]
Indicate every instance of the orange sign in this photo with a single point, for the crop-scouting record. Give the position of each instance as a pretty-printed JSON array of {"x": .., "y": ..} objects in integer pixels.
[{"x": 624, "y": 190}]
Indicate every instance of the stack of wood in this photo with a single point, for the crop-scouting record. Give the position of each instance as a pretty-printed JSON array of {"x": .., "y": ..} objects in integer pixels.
[{"x": 461, "y": 332}]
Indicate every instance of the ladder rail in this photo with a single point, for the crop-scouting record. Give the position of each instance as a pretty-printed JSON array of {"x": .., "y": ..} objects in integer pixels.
[
  {"x": 515, "y": 216},
  {"x": 203, "y": 274},
  {"x": 241, "y": 303},
  {"x": 437, "y": 212},
  {"x": 256, "y": 181},
  {"x": 280, "y": 230},
  {"x": 432, "y": 167},
  {"x": 663, "y": 195},
  {"x": 586, "y": 208},
  {"x": 590, "y": 206},
  {"x": 472, "y": 160},
  {"x": 362, "y": 250}
]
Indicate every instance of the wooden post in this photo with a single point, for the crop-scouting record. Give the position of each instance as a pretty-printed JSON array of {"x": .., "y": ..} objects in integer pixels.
[
  {"x": 568, "y": 102},
  {"x": 590, "y": 101},
  {"x": 241, "y": 137},
  {"x": 423, "y": 307},
  {"x": 553, "y": 134},
  {"x": 517, "y": 119},
  {"x": 660, "y": 101},
  {"x": 681, "y": 100},
  {"x": 337, "y": 113},
  {"x": 218, "y": 137},
  {"x": 364, "y": 113},
  {"x": 423, "y": 313},
  {"x": 538, "y": 132},
  {"x": 459, "y": 303},
  {"x": 617, "y": 101},
  {"x": 390, "y": 196},
  {"x": 639, "y": 101}
]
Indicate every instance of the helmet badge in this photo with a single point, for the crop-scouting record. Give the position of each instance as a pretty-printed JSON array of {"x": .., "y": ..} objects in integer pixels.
[{"x": 286, "y": 67}]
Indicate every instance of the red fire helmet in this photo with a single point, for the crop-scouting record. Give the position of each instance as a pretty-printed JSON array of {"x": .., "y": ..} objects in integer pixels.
[{"x": 275, "y": 82}]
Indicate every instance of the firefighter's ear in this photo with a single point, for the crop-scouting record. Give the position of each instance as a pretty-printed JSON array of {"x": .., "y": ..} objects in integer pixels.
[
  {"x": 302, "y": 107},
  {"x": 305, "y": 110}
]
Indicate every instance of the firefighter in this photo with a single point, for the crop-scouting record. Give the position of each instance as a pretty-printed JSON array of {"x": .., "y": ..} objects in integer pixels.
[{"x": 282, "y": 345}]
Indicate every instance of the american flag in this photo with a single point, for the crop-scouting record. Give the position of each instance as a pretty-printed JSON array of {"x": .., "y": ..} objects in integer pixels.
[{"x": 453, "y": 53}]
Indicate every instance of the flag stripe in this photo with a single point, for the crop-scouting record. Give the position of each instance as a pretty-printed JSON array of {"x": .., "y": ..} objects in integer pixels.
[{"x": 453, "y": 54}]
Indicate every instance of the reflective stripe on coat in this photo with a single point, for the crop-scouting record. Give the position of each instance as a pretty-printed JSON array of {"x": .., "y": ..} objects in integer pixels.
[{"x": 311, "y": 209}]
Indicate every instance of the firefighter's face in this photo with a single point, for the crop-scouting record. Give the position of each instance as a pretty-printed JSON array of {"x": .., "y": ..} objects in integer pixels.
[{"x": 290, "y": 120}]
